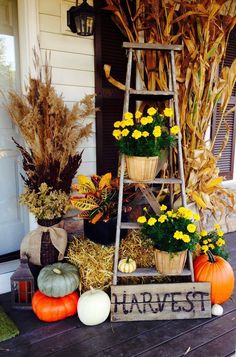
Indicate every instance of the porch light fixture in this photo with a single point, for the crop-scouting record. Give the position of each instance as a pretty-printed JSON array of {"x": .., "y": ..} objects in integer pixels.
[
  {"x": 22, "y": 286},
  {"x": 80, "y": 19}
]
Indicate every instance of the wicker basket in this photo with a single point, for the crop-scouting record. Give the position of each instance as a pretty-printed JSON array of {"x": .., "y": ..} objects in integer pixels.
[
  {"x": 142, "y": 168},
  {"x": 170, "y": 263},
  {"x": 48, "y": 253}
]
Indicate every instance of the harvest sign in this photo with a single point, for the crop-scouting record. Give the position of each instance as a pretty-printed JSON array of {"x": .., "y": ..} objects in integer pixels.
[{"x": 160, "y": 301}]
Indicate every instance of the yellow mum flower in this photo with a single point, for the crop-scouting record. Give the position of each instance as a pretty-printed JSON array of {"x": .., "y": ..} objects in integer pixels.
[
  {"x": 142, "y": 219},
  {"x": 211, "y": 246},
  {"x": 123, "y": 123},
  {"x": 125, "y": 132},
  {"x": 205, "y": 241},
  {"x": 196, "y": 217},
  {"x": 151, "y": 221},
  {"x": 191, "y": 228},
  {"x": 151, "y": 111},
  {"x": 220, "y": 242},
  {"x": 144, "y": 120},
  {"x": 117, "y": 134},
  {"x": 163, "y": 208},
  {"x": 182, "y": 210},
  {"x": 178, "y": 235},
  {"x": 128, "y": 115},
  {"x": 136, "y": 134},
  {"x": 129, "y": 122},
  {"x": 217, "y": 226},
  {"x": 169, "y": 213},
  {"x": 205, "y": 248},
  {"x": 149, "y": 119},
  {"x": 203, "y": 233},
  {"x": 145, "y": 134},
  {"x": 162, "y": 218},
  {"x": 117, "y": 124},
  {"x": 138, "y": 114},
  {"x": 157, "y": 131},
  {"x": 186, "y": 238},
  {"x": 168, "y": 112},
  {"x": 145, "y": 209},
  {"x": 220, "y": 233},
  {"x": 174, "y": 130}
]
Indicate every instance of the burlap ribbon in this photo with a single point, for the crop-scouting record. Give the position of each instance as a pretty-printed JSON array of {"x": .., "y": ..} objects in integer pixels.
[{"x": 31, "y": 244}]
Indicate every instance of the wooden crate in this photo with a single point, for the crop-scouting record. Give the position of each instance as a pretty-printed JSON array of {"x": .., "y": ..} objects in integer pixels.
[{"x": 160, "y": 301}]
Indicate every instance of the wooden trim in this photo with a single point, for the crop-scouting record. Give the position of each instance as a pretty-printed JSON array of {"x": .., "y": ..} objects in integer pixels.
[{"x": 28, "y": 19}]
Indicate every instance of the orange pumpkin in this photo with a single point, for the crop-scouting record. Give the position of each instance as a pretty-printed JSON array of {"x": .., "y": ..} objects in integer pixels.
[
  {"x": 51, "y": 309},
  {"x": 219, "y": 273}
]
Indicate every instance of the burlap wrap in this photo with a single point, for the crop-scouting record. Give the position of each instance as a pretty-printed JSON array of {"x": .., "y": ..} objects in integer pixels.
[{"x": 31, "y": 244}]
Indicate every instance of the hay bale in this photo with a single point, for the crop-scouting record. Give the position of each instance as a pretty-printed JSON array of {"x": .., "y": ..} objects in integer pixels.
[{"x": 95, "y": 261}]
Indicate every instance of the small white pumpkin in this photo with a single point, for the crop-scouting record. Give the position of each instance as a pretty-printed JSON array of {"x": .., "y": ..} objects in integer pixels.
[
  {"x": 217, "y": 310},
  {"x": 93, "y": 307},
  {"x": 127, "y": 265}
]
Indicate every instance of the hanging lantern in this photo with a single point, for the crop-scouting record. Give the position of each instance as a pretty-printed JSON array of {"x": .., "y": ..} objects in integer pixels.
[
  {"x": 22, "y": 286},
  {"x": 80, "y": 19}
]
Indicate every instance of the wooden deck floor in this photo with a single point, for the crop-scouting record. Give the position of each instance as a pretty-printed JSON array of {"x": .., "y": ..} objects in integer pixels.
[{"x": 215, "y": 337}]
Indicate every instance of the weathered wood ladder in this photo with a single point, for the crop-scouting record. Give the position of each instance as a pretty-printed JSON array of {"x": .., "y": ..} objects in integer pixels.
[{"x": 146, "y": 190}]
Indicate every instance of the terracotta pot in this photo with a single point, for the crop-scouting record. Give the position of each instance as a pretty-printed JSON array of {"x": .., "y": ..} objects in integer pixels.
[
  {"x": 142, "y": 168},
  {"x": 170, "y": 263}
]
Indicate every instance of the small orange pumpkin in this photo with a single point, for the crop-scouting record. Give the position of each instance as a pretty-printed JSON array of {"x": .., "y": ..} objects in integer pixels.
[
  {"x": 51, "y": 309},
  {"x": 218, "y": 272}
]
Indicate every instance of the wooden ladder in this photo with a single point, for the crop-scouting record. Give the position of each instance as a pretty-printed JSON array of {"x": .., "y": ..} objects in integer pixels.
[{"x": 172, "y": 94}]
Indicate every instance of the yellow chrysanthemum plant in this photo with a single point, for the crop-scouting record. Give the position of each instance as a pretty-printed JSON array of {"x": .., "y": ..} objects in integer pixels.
[
  {"x": 145, "y": 134},
  {"x": 214, "y": 241},
  {"x": 171, "y": 231}
]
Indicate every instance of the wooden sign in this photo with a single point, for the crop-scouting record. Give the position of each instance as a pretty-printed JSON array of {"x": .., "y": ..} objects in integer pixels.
[{"x": 160, "y": 301}]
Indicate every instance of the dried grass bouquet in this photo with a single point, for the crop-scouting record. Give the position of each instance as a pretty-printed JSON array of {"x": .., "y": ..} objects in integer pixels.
[{"x": 50, "y": 130}]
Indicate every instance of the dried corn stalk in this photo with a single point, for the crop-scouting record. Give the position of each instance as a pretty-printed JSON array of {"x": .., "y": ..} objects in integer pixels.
[{"x": 203, "y": 32}]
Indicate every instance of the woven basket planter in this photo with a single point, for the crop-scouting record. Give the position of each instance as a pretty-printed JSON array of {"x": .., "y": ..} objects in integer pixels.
[
  {"x": 170, "y": 263},
  {"x": 142, "y": 168}
]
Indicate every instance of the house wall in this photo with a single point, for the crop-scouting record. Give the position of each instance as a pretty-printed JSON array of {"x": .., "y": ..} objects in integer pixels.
[{"x": 72, "y": 61}]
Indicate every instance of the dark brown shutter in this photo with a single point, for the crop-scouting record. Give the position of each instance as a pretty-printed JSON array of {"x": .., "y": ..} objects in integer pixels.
[
  {"x": 226, "y": 162},
  {"x": 108, "y": 50}
]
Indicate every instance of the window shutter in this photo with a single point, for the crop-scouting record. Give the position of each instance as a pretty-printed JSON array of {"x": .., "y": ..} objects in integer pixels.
[
  {"x": 226, "y": 162},
  {"x": 109, "y": 99}
]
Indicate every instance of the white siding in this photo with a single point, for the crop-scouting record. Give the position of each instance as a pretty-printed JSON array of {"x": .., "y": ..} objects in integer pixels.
[{"x": 72, "y": 61}]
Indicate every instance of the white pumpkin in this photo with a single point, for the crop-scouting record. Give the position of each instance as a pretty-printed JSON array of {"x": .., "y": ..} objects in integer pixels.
[
  {"x": 93, "y": 307},
  {"x": 127, "y": 265},
  {"x": 217, "y": 310}
]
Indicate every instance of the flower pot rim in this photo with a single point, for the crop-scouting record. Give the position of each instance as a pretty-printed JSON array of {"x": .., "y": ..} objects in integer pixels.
[{"x": 143, "y": 156}]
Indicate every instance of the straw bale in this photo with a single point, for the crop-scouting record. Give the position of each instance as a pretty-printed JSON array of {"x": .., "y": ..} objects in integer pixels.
[{"x": 95, "y": 261}]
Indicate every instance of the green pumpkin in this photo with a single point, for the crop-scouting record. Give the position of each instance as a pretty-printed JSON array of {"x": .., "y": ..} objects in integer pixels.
[{"x": 58, "y": 280}]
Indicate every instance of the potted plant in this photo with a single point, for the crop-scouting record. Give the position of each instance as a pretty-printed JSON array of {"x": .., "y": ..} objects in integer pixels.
[
  {"x": 213, "y": 241},
  {"x": 98, "y": 202},
  {"x": 51, "y": 134},
  {"x": 143, "y": 140},
  {"x": 172, "y": 233}
]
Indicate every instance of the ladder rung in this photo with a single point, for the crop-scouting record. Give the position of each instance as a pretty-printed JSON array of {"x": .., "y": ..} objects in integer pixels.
[
  {"x": 158, "y": 181},
  {"x": 150, "y": 272},
  {"x": 130, "y": 225},
  {"x": 151, "y": 92},
  {"x": 152, "y": 46}
]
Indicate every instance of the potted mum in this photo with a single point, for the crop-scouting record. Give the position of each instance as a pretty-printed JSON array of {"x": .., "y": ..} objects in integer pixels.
[
  {"x": 172, "y": 233},
  {"x": 214, "y": 242},
  {"x": 143, "y": 139},
  {"x": 97, "y": 201},
  {"x": 51, "y": 133}
]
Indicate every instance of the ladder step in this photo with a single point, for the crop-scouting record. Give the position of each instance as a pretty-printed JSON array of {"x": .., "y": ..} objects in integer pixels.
[
  {"x": 158, "y": 181},
  {"x": 130, "y": 225},
  {"x": 150, "y": 272},
  {"x": 152, "y": 46},
  {"x": 151, "y": 92}
]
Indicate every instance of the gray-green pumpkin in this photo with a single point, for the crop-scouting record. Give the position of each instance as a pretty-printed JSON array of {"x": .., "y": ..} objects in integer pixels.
[{"x": 58, "y": 280}]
